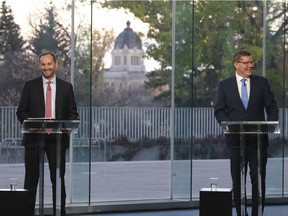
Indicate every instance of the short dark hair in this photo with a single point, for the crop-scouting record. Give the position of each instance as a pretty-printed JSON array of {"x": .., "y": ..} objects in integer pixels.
[
  {"x": 237, "y": 56},
  {"x": 48, "y": 53}
]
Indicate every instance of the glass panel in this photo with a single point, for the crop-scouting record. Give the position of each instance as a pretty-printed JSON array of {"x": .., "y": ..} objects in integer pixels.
[
  {"x": 274, "y": 68},
  {"x": 214, "y": 40},
  {"x": 183, "y": 49},
  {"x": 182, "y": 55},
  {"x": 197, "y": 65},
  {"x": 131, "y": 131},
  {"x": 82, "y": 17}
]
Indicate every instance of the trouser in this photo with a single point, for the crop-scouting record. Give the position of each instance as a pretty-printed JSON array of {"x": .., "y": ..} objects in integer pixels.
[
  {"x": 32, "y": 159},
  {"x": 251, "y": 161}
]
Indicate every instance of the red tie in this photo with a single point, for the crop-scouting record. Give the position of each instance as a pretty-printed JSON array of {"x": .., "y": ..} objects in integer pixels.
[{"x": 48, "y": 108}]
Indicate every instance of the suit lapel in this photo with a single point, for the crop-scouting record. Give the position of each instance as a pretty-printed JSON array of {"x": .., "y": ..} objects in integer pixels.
[
  {"x": 253, "y": 87},
  {"x": 235, "y": 91},
  {"x": 58, "y": 99},
  {"x": 41, "y": 93}
]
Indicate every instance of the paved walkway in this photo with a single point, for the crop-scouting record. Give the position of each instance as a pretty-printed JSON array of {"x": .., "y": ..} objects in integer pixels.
[
  {"x": 279, "y": 210},
  {"x": 144, "y": 180}
]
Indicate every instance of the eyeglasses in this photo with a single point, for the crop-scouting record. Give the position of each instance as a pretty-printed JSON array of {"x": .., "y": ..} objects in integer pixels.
[{"x": 247, "y": 63}]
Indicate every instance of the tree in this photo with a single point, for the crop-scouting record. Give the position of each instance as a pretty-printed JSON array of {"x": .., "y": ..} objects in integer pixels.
[
  {"x": 13, "y": 65},
  {"x": 10, "y": 36},
  {"x": 159, "y": 16},
  {"x": 51, "y": 35},
  {"x": 205, "y": 42},
  {"x": 101, "y": 94},
  {"x": 101, "y": 43}
]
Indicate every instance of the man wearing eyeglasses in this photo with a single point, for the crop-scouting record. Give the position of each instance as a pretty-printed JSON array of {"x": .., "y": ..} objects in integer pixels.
[{"x": 246, "y": 97}]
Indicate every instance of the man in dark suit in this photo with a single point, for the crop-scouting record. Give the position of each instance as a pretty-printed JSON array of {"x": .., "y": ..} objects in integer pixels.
[
  {"x": 229, "y": 107},
  {"x": 33, "y": 105}
]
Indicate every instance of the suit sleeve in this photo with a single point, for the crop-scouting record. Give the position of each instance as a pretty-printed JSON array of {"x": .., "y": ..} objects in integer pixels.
[
  {"x": 220, "y": 109},
  {"x": 271, "y": 105},
  {"x": 73, "y": 113},
  {"x": 22, "y": 109}
]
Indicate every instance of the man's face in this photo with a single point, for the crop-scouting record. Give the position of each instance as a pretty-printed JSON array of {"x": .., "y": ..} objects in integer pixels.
[
  {"x": 244, "y": 67},
  {"x": 48, "y": 66}
]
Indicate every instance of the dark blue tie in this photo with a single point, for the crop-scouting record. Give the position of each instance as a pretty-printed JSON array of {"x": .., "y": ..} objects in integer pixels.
[{"x": 244, "y": 93}]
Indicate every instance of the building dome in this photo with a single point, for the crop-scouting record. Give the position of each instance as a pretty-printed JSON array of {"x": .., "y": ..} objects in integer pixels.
[{"x": 129, "y": 38}]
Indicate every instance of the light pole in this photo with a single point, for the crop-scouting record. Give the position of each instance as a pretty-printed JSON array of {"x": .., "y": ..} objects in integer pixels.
[
  {"x": 90, "y": 98},
  {"x": 72, "y": 42}
]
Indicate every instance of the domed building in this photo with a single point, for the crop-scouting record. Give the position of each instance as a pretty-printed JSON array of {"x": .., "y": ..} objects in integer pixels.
[{"x": 127, "y": 69}]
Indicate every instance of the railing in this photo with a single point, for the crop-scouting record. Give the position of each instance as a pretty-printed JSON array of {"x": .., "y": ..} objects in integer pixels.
[
  {"x": 133, "y": 123},
  {"x": 10, "y": 126}
]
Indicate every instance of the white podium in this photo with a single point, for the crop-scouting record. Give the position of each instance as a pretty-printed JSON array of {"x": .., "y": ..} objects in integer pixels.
[
  {"x": 58, "y": 127},
  {"x": 244, "y": 128}
]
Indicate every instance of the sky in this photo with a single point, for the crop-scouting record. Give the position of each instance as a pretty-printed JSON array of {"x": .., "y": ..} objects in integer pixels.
[{"x": 102, "y": 18}]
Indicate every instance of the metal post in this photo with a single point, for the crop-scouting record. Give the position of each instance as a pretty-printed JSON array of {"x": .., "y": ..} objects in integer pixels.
[{"x": 243, "y": 171}]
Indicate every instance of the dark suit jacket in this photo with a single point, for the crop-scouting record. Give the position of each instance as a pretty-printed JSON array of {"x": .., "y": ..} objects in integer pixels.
[
  {"x": 229, "y": 107},
  {"x": 32, "y": 105}
]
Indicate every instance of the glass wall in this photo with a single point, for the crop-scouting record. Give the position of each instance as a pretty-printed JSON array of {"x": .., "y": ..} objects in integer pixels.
[
  {"x": 145, "y": 75},
  {"x": 206, "y": 60}
]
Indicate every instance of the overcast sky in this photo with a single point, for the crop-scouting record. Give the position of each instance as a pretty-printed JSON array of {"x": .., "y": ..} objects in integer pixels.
[
  {"x": 102, "y": 18},
  {"x": 24, "y": 8},
  {"x": 115, "y": 19}
]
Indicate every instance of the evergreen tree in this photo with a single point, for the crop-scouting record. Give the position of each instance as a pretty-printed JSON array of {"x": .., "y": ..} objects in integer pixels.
[
  {"x": 14, "y": 63},
  {"x": 51, "y": 35},
  {"x": 10, "y": 37}
]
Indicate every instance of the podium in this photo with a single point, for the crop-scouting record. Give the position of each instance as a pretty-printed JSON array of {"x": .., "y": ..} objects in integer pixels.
[
  {"x": 245, "y": 128},
  {"x": 42, "y": 126}
]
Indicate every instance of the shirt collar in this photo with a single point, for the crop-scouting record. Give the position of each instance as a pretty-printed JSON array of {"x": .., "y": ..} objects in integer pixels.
[
  {"x": 239, "y": 78},
  {"x": 45, "y": 81}
]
